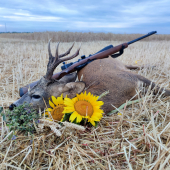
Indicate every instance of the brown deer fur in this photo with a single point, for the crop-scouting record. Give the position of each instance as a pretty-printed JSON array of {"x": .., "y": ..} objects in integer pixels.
[{"x": 110, "y": 74}]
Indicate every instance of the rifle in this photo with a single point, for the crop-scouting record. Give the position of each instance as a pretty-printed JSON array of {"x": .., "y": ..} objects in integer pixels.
[{"x": 72, "y": 67}]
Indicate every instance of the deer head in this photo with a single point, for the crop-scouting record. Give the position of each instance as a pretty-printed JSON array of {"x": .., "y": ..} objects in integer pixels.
[{"x": 39, "y": 95}]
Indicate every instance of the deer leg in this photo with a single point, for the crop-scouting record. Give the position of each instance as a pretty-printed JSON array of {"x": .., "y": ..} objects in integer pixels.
[
  {"x": 130, "y": 67},
  {"x": 147, "y": 83}
]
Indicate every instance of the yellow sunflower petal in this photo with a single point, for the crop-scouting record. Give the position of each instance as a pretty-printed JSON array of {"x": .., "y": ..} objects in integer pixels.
[
  {"x": 68, "y": 102},
  {"x": 60, "y": 100},
  {"x": 51, "y": 104},
  {"x": 80, "y": 96},
  {"x": 97, "y": 114},
  {"x": 73, "y": 116},
  {"x": 91, "y": 99},
  {"x": 100, "y": 103},
  {"x": 97, "y": 110},
  {"x": 68, "y": 110},
  {"x": 46, "y": 113},
  {"x": 79, "y": 118},
  {"x": 75, "y": 99},
  {"x": 96, "y": 97},
  {"x": 48, "y": 110},
  {"x": 95, "y": 119},
  {"x": 92, "y": 122},
  {"x": 54, "y": 100},
  {"x": 89, "y": 95}
]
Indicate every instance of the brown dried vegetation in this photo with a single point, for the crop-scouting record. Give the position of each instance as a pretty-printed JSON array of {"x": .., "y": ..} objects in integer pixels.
[{"x": 137, "y": 139}]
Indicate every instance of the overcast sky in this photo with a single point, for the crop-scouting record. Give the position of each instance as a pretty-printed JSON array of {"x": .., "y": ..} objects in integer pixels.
[{"x": 124, "y": 16}]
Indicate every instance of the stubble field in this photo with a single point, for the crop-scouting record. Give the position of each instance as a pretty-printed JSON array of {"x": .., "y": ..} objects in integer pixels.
[{"x": 137, "y": 139}]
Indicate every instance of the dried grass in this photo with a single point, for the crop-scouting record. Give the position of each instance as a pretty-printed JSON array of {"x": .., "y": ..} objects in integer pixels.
[
  {"x": 67, "y": 36},
  {"x": 137, "y": 139}
]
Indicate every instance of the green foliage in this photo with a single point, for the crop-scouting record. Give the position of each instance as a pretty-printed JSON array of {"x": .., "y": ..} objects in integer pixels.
[
  {"x": 21, "y": 118},
  {"x": 1, "y": 109},
  {"x": 66, "y": 117}
]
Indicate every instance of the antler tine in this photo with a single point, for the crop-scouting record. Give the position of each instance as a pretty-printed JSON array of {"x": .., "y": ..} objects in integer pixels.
[
  {"x": 73, "y": 56},
  {"x": 56, "y": 54},
  {"x": 67, "y": 52},
  {"x": 50, "y": 64},
  {"x": 49, "y": 49}
]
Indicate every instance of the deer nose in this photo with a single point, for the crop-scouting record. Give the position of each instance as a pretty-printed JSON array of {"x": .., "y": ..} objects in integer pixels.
[{"x": 11, "y": 107}]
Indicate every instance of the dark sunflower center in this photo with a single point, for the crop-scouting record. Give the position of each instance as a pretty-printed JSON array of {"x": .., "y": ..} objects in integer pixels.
[
  {"x": 56, "y": 113},
  {"x": 84, "y": 108}
]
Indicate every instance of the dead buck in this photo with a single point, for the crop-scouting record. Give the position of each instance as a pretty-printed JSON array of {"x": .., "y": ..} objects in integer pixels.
[{"x": 99, "y": 76}]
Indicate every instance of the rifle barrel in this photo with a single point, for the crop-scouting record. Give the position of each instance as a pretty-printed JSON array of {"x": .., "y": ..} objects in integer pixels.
[{"x": 137, "y": 39}]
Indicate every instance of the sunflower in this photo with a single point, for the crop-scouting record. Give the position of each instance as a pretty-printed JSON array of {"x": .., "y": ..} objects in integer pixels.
[
  {"x": 84, "y": 106},
  {"x": 57, "y": 108}
]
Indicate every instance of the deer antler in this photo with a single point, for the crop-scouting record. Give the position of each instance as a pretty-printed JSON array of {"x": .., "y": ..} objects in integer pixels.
[
  {"x": 55, "y": 61},
  {"x": 67, "y": 52}
]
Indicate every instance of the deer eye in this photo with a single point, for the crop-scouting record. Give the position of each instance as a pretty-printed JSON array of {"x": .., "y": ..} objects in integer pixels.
[{"x": 36, "y": 96}]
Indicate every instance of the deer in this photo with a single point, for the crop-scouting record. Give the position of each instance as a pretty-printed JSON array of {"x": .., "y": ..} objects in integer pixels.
[{"x": 98, "y": 76}]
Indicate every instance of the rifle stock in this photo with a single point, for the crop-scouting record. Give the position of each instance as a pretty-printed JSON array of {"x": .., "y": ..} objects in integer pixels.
[{"x": 72, "y": 68}]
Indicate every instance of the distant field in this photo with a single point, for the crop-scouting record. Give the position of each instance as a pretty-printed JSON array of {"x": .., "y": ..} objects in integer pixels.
[
  {"x": 81, "y": 37},
  {"x": 23, "y": 59}
]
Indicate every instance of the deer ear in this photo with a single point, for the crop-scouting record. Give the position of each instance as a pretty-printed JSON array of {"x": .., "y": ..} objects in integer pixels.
[{"x": 73, "y": 88}]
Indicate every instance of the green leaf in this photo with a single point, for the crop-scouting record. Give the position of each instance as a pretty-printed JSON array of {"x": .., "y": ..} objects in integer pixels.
[
  {"x": 1, "y": 109},
  {"x": 66, "y": 117},
  {"x": 10, "y": 136},
  {"x": 4, "y": 116},
  {"x": 22, "y": 117},
  {"x": 16, "y": 124},
  {"x": 96, "y": 124}
]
